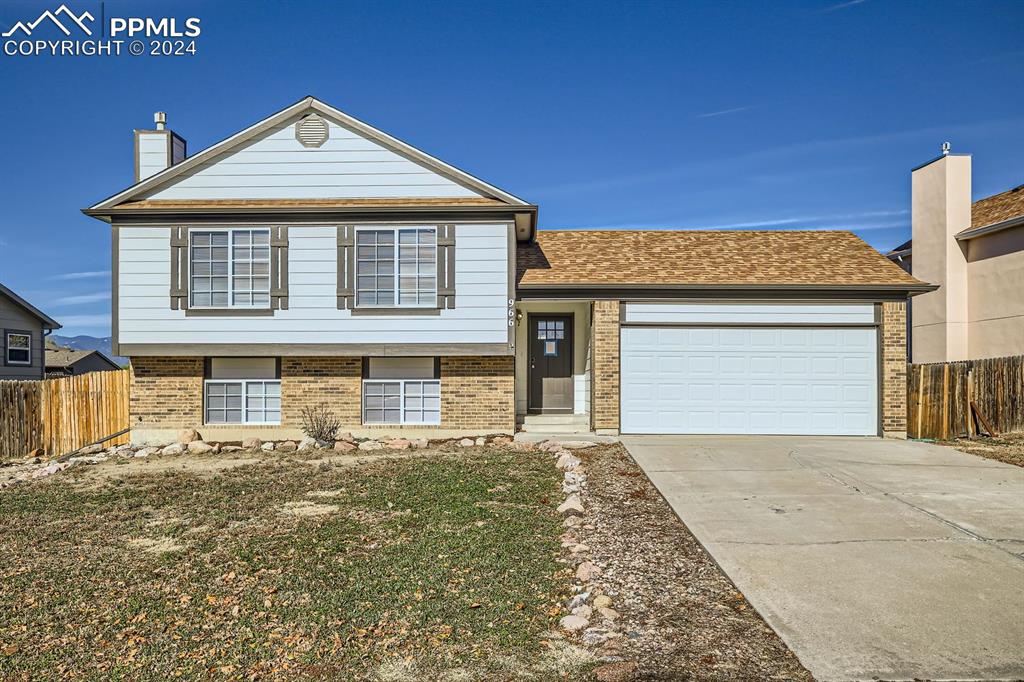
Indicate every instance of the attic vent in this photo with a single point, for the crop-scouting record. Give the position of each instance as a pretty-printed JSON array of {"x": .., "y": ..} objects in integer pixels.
[{"x": 311, "y": 131}]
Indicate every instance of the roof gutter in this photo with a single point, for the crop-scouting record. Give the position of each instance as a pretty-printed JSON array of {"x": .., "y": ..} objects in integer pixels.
[{"x": 974, "y": 232}]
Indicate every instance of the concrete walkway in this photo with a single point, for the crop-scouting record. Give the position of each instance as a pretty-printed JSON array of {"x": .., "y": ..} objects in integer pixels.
[{"x": 871, "y": 558}]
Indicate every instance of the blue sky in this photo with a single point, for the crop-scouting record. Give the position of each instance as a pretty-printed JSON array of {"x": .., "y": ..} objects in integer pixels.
[{"x": 636, "y": 114}]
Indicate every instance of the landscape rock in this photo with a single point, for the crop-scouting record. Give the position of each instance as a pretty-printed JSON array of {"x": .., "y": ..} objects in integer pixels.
[
  {"x": 572, "y": 505},
  {"x": 523, "y": 446},
  {"x": 501, "y": 440},
  {"x": 420, "y": 443},
  {"x": 91, "y": 449},
  {"x": 620, "y": 671},
  {"x": 576, "y": 444},
  {"x": 344, "y": 446},
  {"x": 572, "y": 522},
  {"x": 198, "y": 447},
  {"x": 602, "y": 601},
  {"x": 146, "y": 452},
  {"x": 287, "y": 446},
  {"x": 252, "y": 443},
  {"x": 398, "y": 444},
  {"x": 567, "y": 461},
  {"x": 573, "y": 623},
  {"x": 307, "y": 443},
  {"x": 579, "y": 548},
  {"x": 595, "y": 636},
  {"x": 173, "y": 449},
  {"x": 587, "y": 571},
  {"x": 583, "y": 611},
  {"x": 189, "y": 436},
  {"x": 345, "y": 436},
  {"x": 125, "y": 451},
  {"x": 467, "y": 442},
  {"x": 268, "y": 446},
  {"x": 548, "y": 446},
  {"x": 228, "y": 448},
  {"x": 578, "y": 600},
  {"x": 608, "y": 614},
  {"x": 370, "y": 445},
  {"x": 481, "y": 441}
]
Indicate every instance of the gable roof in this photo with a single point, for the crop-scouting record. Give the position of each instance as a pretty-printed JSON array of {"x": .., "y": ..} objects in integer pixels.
[
  {"x": 65, "y": 357},
  {"x": 303, "y": 106},
  {"x": 707, "y": 259},
  {"x": 48, "y": 322}
]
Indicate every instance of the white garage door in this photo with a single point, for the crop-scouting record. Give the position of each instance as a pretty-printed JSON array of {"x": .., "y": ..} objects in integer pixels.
[{"x": 759, "y": 380}]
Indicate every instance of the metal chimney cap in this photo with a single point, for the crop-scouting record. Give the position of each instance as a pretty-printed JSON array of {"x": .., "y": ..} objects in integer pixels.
[
  {"x": 160, "y": 118},
  {"x": 945, "y": 148}
]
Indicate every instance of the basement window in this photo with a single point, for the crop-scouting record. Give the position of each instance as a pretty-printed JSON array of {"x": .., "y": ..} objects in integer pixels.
[
  {"x": 242, "y": 391},
  {"x": 401, "y": 391}
]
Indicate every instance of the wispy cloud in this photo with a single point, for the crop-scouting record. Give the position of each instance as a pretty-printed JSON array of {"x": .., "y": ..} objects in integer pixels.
[
  {"x": 84, "y": 322},
  {"x": 858, "y": 222},
  {"x": 723, "y": 112},
  {"x": 83, "y": 298},
  {"x": 840, "y": 5},
  {"x": 82, "y": 275}
]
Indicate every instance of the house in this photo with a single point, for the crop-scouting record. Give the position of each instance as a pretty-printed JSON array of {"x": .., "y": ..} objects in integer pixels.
[
  {"x": 65, "y": 362},
  {"x": 313, "y": 259},
  {"x": 24, "y": 327},
  {"x": 975, "y": 251}
]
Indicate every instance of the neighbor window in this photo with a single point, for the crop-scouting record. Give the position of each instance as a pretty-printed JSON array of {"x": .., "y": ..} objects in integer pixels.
[
  {"x": 18, "y": 348},
  {"x": 401, "y": 391},
  {"x": 396, "y": 267},
  {"x": 242, "y": 391},
  {"x": 229, "y": 269}
]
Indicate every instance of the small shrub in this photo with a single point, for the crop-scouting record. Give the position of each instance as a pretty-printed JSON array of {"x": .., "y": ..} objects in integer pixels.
[{"x": 320, "y": 423}]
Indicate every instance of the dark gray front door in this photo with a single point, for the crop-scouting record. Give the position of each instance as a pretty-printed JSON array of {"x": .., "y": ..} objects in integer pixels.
[{"x": 550, "y": 364}]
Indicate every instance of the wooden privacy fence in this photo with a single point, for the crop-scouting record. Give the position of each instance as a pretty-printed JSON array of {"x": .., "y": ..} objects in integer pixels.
[
  {"x": 940, "y": 397},
  {"x": 61, "y": 415}
]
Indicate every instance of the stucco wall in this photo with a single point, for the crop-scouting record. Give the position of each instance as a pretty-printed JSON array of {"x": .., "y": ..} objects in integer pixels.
[{"x": 995, "y": 290}]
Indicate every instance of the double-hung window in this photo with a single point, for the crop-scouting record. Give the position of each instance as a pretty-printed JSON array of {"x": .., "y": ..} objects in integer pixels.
[
  {"x": 18, "y": 348},
  {"x": 401, "y": 391},
  {"x": 229, "y": 268},
  {"x": 242, "y": 391},
  {"x": 396, "y": 267}
]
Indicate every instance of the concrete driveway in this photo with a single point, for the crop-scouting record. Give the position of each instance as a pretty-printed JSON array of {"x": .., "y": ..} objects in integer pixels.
[{"x": 871, "y": 558}]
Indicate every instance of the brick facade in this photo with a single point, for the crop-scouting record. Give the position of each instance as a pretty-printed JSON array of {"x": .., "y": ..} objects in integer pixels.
[
  {"x": 333, "y": 381},
  {"x": 605, "y": 400},
  {"x": 166, "y": 393},
  {"x": 894, "y": 369},
  {"x": 478, "y": 393}
]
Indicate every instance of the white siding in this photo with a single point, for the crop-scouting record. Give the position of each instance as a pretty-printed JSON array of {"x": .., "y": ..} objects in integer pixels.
[
  {"x": 275, "y": 165},
  {"x": 480, "y": 315},
  {"x": 152, "y": 153},
  {"x": 750, "y": 313}
]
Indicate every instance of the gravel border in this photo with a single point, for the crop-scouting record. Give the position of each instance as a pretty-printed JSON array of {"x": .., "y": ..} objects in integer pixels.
[{"x": 681, "y": 617}]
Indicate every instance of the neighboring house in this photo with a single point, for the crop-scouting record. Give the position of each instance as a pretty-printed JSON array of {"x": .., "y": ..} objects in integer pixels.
[
  {"x": 23, "y": 327},
  {"x": 311, "y": 258},
  {"x": 64, "y": 362},
  {"x": 975, "y": 251}
]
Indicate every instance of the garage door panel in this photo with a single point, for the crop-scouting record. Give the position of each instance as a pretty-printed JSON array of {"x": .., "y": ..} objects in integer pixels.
[{"x": 782, "y": 380}]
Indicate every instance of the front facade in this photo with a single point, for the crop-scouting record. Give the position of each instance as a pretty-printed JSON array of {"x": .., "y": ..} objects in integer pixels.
[
  {"x": 314, "y": 260},
  {"x": 23, "y": 328},
  {"x": 975, "y": 251}
]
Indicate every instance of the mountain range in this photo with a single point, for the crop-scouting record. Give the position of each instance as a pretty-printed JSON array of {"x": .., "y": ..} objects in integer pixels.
[{"x": 83, "y": 342}]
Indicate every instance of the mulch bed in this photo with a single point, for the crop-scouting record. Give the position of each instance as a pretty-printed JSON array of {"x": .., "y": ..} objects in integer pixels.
[
  {"x": 1007, "y": 448},
  {"x": 683, "y": 618}
]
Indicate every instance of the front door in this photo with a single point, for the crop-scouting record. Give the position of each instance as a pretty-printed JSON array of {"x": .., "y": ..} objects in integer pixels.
[{"x": 550, "y": 378}]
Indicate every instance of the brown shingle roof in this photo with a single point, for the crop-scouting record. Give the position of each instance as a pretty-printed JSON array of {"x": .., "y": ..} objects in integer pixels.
[
  {"x": 701, "y": 258},
  {"x": 998, "y": 207}
]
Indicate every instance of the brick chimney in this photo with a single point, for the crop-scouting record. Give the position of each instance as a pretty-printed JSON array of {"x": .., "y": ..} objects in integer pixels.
[
  {"x": 157, "y": 149},
  {"x": 940, "y": 208}
]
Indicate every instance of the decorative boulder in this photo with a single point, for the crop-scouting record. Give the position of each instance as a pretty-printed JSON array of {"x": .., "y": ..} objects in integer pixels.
[
  {"x": 344, "y": 446},
  {"x": 398, "y": 444},
  {"x": 189, "y": 436},
  {"x": 173, "y": 449},
  {"x": 307, "y": 443},
  {"x": 572, "y": 506},
  {"x": 587, "y": 572},
  {"x": 252, "y": 443},
  {"x": 573, "y": 623},
  {"x": 467, "y": 443},
  {"x": 146, "y": 452},
  {"x": 287, "y": 446},
  {"x": 501, "y": 440},
  {"x": 346, "y": 436},
  {"x": 370, "y": 445},
  {"x": 91, "y": 449},
  {"x": 420, "y": 443},
  {"x": 198, "y": 447},
  {"x": 567, "y": 461},
  {"x": 268, "y": 446}
]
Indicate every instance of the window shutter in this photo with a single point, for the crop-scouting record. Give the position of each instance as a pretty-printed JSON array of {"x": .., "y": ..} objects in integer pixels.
[
  {"x": 279, "y": 268},
  {"x": 179, "y": 268},
  {"x": 445, "y": 266},
  {"x": 346, "y": 266}
]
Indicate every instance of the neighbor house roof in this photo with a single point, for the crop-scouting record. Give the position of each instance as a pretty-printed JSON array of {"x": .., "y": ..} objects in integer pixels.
[
  {"x": 991, "y": 214},
  {"x": 674, "y": 258},
  {"x": 47, "y": 321},
  {"x": 66, "y": 357}
]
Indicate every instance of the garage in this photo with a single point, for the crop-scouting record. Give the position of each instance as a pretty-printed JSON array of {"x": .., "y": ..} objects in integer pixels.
[{"x": 749, "y": 368}]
